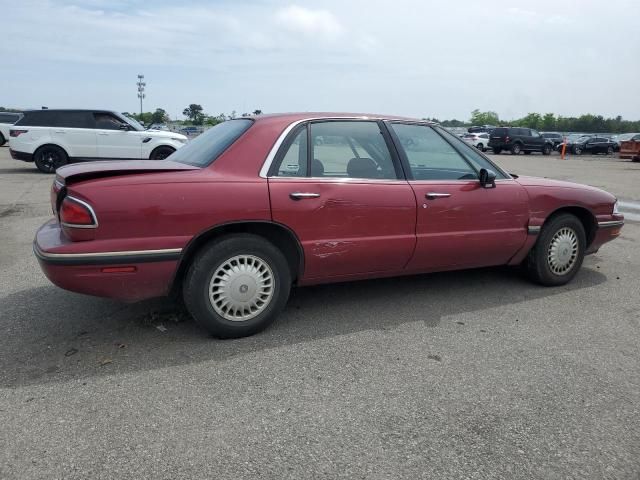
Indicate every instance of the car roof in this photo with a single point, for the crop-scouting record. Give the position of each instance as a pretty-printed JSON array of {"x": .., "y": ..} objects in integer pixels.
[
  {"x": 301, "y": 116},
  {"x": 70, "y": 110}
]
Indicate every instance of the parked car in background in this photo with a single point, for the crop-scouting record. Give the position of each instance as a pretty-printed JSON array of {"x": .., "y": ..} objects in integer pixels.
[
  {"x": 52, "y": 138},
  {"x": 593, "y": 145},
  {"x": 626, "y": 137},
  {"x": 478, "y": 140},
  {"x": 353, "y": 206},
  {"x": 554, "y": 137},
  {"x": 191, "y": 131},
  {"x": 159, "y": 126},
  {"x": 6, "y": 120},
  {"x": 517, "y": 139},
  {"x": 480, "y": 129}
]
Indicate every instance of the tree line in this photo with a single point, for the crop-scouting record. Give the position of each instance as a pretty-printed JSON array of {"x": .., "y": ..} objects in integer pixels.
[
  {"x": 550, "y": 122},
  {"x": 195, "y": 116}
]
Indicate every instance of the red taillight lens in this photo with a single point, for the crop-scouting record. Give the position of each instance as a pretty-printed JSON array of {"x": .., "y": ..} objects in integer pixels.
[
  {"x": 507, "y": 139},
  {"x": 75, "y": 213},
  {"x": 17, "y": 133}
]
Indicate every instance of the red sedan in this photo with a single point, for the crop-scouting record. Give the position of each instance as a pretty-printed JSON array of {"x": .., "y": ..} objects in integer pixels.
[{"x": 253, "y": 206}]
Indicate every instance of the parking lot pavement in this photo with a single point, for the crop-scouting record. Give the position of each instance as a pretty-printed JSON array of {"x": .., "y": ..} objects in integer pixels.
[{"x": 475, "y": 374}]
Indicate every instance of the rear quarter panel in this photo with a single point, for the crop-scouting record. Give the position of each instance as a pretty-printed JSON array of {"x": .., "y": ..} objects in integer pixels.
[
  {"x": 30, "y": 141},
  {"x": 166, "y": 210}
]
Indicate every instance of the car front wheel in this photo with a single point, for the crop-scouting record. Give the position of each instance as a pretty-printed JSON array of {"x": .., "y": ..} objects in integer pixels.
[
  {"x": 558, "y": 254},
  {"x": 546, "y": 150},
  {"x": 237, "y": 285},
  {"x": 577, "y": 150},
  {"x": 161, "y": 153},
  {"x": 49, "y": 158}
]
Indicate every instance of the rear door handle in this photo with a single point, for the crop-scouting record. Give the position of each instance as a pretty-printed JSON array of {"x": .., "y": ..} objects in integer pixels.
[
  {"x": 303, "y": 195},
  {"x": 58, "y": 131},
  {"x": 434, "y": 195}
]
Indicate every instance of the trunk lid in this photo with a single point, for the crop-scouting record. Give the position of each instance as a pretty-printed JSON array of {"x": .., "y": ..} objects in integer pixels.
[{"x": 89, "y": 170}]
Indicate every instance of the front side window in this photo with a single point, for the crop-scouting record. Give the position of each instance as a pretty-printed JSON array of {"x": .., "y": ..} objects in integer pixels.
[
  {"x": 207, "y": 147},
  {"x": 350, "y": 149},
  {"x": 430, "y": 157},
  {"x": 106, "y": 121},
  {"x": 472, "y": 155}
]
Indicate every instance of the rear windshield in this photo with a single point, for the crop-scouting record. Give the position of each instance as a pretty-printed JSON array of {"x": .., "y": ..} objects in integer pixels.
[{"x": 204, "y": 149}]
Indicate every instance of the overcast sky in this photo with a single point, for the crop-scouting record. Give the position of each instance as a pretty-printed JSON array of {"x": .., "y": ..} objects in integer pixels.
[{"x": 417, "y": 58}]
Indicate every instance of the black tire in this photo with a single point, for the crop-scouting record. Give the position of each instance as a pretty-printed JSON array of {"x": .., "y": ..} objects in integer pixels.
[
  {"x": 497, "y": 151},
  {"x": 516, "y": 148},
  {"x": 538, "y": 264},
  {"x": 206, "y": 263},
  {"x": 546, "y": 150},
  {"x": 577, "y": 150},
  {"x": 609, "y": 150},
  {"x": 49, "y": 158},
  {"x": 160, "y": 153},
  {"x": 2, "y": 140},
  {"x": 480, "y": 147}
]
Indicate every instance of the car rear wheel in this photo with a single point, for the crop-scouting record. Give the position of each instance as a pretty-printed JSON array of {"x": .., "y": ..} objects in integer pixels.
[
  {"x": 2, "y": 139},
  {"x": 609, "y": 150},
  {"x": 546, "y": 150},
  {"x": 558, "y": 254},
  {"x": 516, "y": 148},
  {"x": 49, "y": 158},
  {"x": 577, "y": 150},
  {"x": 161, "y": 153},
  {"x": 480, "y": 147},
  {"x": 237, "y": 285}
]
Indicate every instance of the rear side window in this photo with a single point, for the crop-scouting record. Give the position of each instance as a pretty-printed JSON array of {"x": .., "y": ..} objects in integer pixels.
[
  {"x": 500, "y": 132},
  {"x": 9, "y": 117},
  {"x": 38, "y": 118},
  {"x": 204, "y": 149},
  {"x": 74, "y": 120},
  {"x": 294, "y": 161}
]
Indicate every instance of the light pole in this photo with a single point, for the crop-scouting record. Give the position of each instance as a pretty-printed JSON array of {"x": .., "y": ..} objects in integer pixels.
[{"x": 141, "y": 84}]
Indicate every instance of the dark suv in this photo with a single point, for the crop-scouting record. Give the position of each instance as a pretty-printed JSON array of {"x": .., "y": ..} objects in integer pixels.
[{"x": 518, "y": 140}]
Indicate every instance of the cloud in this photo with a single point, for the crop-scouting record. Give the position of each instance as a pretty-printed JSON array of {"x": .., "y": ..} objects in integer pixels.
[{"x": 310, "y": 22}]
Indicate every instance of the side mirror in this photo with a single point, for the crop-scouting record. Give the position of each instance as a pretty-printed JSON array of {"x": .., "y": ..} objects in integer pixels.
[
  {"x": 125, "y": 127},
  {"x": 487, "y": 178}
]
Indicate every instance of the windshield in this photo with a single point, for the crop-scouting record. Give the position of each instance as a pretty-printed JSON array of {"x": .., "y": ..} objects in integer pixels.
[{"x": 204, "y": 149}]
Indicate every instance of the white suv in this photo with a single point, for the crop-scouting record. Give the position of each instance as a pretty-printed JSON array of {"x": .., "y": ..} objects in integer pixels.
[
  {"x": 7, "y": 119},
  {"x": 52, "y": 138}
]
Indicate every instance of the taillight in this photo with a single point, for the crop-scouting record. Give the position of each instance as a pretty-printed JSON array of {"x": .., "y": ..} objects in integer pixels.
[
  {"x": 77, "y": 214},
  {"x": 507, "y": 139},
  {"x": 17, "y": 133}
]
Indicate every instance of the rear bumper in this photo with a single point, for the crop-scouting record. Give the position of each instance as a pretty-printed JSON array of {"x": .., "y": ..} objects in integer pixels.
[
  {"x": 25, "y": 157},
  {"x": 92, "y": 273}
]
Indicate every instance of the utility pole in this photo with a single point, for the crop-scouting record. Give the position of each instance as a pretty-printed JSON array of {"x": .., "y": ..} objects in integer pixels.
[{"x": 141, "y": 84}]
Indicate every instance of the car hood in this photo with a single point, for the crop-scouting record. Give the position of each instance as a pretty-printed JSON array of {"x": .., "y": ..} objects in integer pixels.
[
  {"x": 111, "y": 168},
  {"x": 165, "y": 134},
  {"x": 548, "y": 182}
]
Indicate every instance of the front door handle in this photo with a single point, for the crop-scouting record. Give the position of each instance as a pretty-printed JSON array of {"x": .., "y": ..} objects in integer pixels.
[
  {"x": 303, "y": 195},
  {"x": 434, "y": 195}
]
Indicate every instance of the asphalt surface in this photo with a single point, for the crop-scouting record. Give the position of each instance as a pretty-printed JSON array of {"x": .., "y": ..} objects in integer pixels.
[{"x": 475, "y": 374}]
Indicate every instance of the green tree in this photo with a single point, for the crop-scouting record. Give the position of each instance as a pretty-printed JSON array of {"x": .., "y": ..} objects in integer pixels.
[
  {"x": 548, "y": 122},
  {"x": 257, "y": 112},
  {"x": 194, "y": 113},
  {"x": 484, "y": 118},
  {"x": 159, "y": 116}
]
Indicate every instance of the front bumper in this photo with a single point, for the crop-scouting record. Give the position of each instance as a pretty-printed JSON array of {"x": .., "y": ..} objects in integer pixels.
[
  {"x": 70, "y": 266},
  {"x": 608, "y": 229},
  {"x": 24, "y": 156}
]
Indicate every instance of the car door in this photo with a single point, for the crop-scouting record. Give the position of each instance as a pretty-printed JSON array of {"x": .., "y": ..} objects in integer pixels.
[
  {"x": 536, "y": 140},
  {"x": 73, "y": 131},
  {"x": 338, "y": 187},
  {"x": 116, "y": 139},
  {"x": 460, "y": 224}
]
